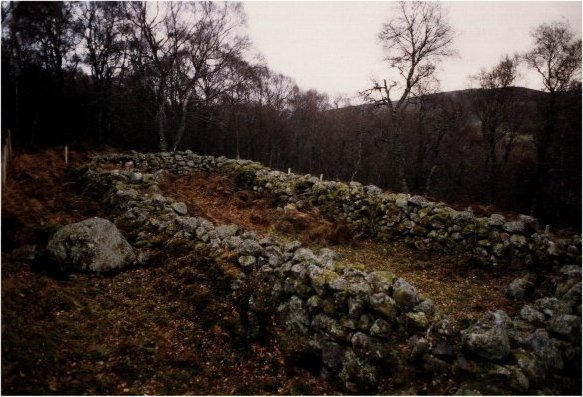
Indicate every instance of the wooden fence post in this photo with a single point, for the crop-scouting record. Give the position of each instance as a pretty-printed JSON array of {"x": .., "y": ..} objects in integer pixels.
[
  {"x": 66, "y": 155},
  {"x": 4, "y": 163},
  {"x": 6, "y": 154}
]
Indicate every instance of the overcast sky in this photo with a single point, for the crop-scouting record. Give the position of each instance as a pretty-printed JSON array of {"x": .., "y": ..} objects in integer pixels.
[{"x": 332, "y": 46}]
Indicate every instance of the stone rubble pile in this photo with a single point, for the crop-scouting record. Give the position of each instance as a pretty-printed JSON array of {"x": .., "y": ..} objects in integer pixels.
[{"x": 366, "y": 325}]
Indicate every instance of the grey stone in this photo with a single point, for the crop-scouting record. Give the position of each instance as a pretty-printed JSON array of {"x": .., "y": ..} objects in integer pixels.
[
  {"x": 365, "y": 322},
  {"x": 190, "y": 224},
  {"x": 519, "y": 288},
  {"x": 158, "y": 199},
  {"x": 180, "y": 208},
  {"x": 225, "y": 231},
  {"x": 94, "y": 244},
  {"x": 136, "y": 177},
  {"x": 247, "y": 261},
  {"x": 292, "y": 246},
  {"x": 294, "y": 315},
  {"x": 401, "y": 200},
  {"x": 355, "y": 307},
  {"x": 513, "y": 227},
  {"x": 417, "y": 321},
  {"x": 274, "y": 255},
  {"x": 496, "y": 220},
  {"x": 551, "y": 306},
  {"x": 326, "y": 257},
  {"x": 332, "y": 354},
  {"x": 380, "y": 328},
  {"x": 418, "y": 201},
  {"x": 383, "y": 304},
  {"x": 571, "y": 271},
  {"x": 368, "y": 347},
  {"x": 529, "y": 222},
  {"x": 426, "y": 306},
  {"x": 546, "y": 351},
  {"x": 405, "y": 295},
  {"x": 573, "y": 295},
  {"x": 518, "y": 240},
  {"x": 250, "y": 247},
  {"x": 381, "y": 281},
  {"x": 418, "y": 347},
  {"x": 323, "y": 322},
  {"x": 488, "y": 338},
  {"x": 531, "y": 315},
  {"x": 566, "y": 325},
  {"x": 305, "y": 255},
  {"x": 233, "y": 242}
]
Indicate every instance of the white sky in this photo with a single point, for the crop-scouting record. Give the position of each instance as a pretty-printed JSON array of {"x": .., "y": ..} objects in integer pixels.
[{"x": 332, "y": 46}]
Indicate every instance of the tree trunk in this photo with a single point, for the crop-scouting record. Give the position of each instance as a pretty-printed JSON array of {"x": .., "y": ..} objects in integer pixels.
[
  {"x": 541, "y": 155},
  {"x": 161, "y": 120},
  {"x": 398, "y": 152},
  {"x": 181, "y": 126}
]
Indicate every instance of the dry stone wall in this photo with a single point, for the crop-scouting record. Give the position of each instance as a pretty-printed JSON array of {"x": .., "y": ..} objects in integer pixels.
[
  {"x": 366, "y": 325},
  {"x": 427, "y": 225}
]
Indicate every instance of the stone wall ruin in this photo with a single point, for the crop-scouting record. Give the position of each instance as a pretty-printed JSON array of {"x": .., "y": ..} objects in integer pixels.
[{"x": 368, "y": 325}]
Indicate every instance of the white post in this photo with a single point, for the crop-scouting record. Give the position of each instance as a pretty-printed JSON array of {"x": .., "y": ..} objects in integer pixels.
[
  {"x": 289, "y": 171},
  {"x": 66, "y": 155},
  {"x": 321, "y": 176}
]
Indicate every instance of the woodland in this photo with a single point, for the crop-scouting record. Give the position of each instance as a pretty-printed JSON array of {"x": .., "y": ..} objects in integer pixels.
[{"x": 174, "y": 76}]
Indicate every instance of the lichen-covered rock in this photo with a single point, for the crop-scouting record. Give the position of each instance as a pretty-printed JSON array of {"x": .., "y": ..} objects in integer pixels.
[
  {"x": 488, "y": 338},
  {"x": 531, "y": 315},
  {"x": 94, "y": 244},
  {"x": 519, "y": 288},
  {"x": 405, "y": 295},
  {"x": 566, "y": 325},
  {"x": 416, "y": 321},
  {"x": 381, "y": 281},
  {"x": 294, "y": 315},
  {"x": 551, "y": 306},
  {"x": 380, "y": 328},
  {"x": 383, "y": 304},
  {"x": 321, "y": 278},
  {"x": 370, "y": 348},
  {"x": 225, "y": 231},
  {"x": 546, "y": 351},
  {"x": 180, "y": 208},
  {"x": 247, "y": 261},
  {"x": 514, "y": 227}
]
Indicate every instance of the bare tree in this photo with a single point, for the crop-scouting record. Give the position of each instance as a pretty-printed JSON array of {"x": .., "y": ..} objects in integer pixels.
[
  {"x": 213, "y": 56},
  {"x": 151, "y": 58},
  {"x": 184, "y": 51},
  {"x": 556, "y": 57},
  {"x": 415, "y": 40},
  {"x": 100, "y": 25},
  {"x": 495, "y": 104}
]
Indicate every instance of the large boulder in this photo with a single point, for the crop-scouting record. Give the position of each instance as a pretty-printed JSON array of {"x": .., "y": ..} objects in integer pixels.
[
  {"x": 488, "y": 338},
  {"x": 94, "y": 244}
]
